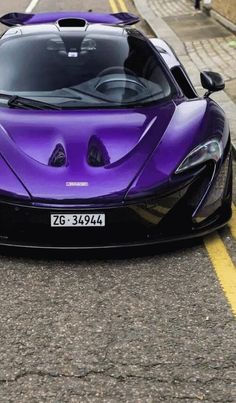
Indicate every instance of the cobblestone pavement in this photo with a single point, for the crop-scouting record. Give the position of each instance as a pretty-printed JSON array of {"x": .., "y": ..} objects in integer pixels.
[
  {"x": 214, "y": 54},
  {"x": 171, "y": 7},
  {"x": 201, "y": 44}
]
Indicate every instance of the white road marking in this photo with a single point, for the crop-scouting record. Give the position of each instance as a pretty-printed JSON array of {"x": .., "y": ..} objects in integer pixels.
[{"x": 31, "y": 6}]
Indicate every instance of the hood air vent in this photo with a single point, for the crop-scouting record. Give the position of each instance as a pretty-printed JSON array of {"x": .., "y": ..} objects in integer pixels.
[
  {"x": 58, "y": 157},
  {"x": 97, "y": 153}
]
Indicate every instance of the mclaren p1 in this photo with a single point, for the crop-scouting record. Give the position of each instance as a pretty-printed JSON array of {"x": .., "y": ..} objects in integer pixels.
[{"x": 104, "y": 141}]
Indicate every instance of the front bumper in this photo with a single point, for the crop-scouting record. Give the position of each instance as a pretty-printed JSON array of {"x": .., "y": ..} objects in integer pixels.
[
  {"x": 81, "y": 241},
  {"x": 195, "y": 209}
]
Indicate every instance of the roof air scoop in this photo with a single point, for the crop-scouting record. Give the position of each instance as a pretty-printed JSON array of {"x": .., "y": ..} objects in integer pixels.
[
  {"x": 72, "y": 23},
  {"x": 58, "y": 157}
]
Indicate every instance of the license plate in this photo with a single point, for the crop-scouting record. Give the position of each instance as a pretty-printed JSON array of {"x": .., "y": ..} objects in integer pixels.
[{"x": 77, "y": 220}]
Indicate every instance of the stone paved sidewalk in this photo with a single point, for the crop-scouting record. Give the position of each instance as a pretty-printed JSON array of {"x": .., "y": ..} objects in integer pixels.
[
  {"x": 200, "y": 42},
  {"x": 171, "y": 7},
  {"x": 214, "y": 54},
  {"x": 216, "y": 50}
]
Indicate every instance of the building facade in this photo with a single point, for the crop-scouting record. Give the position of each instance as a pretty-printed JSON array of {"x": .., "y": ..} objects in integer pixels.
[{"x": 226, "y": 8}]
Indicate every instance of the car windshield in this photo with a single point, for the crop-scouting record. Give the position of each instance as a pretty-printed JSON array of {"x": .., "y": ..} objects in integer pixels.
[{"x": 83, "y": 69}]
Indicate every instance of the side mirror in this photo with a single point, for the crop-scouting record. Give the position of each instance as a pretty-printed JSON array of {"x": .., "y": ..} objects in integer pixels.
[{"x": 212, "y": 82}]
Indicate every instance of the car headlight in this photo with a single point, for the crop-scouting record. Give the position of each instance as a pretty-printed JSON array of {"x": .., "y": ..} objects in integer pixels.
[{"x": 212, "y": 150}]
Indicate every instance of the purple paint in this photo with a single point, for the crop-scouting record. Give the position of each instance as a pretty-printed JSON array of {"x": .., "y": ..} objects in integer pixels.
[{"x": 13, "y": 19}]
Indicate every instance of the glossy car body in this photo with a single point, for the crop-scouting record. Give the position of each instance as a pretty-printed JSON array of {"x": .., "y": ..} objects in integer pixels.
[{"x": 136, "y": 182}]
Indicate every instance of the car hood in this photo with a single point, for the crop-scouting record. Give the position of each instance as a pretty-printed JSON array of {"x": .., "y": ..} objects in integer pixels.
[{"x": 126, "y": 138}]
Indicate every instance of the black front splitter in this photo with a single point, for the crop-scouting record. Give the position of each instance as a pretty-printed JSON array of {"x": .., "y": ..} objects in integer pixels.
[{"x": 147, "y": 242}]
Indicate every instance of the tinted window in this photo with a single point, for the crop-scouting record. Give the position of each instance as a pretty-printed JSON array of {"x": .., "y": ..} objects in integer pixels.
[{"x": 82, "y": 69}]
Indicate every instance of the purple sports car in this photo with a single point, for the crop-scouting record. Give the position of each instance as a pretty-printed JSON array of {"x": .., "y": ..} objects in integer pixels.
[{"x": 104, "y": 141}]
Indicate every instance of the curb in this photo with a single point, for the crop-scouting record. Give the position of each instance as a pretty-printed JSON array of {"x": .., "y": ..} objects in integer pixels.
[
  {"x": 161, "y": 29},
  {"x": 234, "y": 150},
  {"x": 223, "y": 21}
]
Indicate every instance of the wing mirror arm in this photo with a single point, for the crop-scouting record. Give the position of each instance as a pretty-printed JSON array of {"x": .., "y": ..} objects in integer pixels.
[{"x": 208, "y": 94}]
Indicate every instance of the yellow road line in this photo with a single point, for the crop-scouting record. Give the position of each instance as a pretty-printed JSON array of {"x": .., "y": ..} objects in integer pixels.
[
  {"x": 113, "y": 6},
  {"x": 224, "y": 267},
  {"x": 232, "y": 223},
  {"x": 123, "y": 6},
  {"x": 118, "y": 5}
]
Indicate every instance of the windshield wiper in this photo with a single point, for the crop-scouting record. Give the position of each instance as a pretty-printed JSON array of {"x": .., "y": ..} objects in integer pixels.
[{"x": 15, "y": 101}]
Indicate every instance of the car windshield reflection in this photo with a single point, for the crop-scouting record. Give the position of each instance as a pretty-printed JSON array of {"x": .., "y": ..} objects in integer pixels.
[{"x": 83, "y": 70}]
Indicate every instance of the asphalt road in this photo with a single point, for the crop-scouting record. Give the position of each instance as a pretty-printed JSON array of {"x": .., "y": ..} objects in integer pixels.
[{"x": 147, "y": 325}]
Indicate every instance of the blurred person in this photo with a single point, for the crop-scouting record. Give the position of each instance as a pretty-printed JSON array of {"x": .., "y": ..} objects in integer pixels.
[{"x": 197, "y": 4}]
